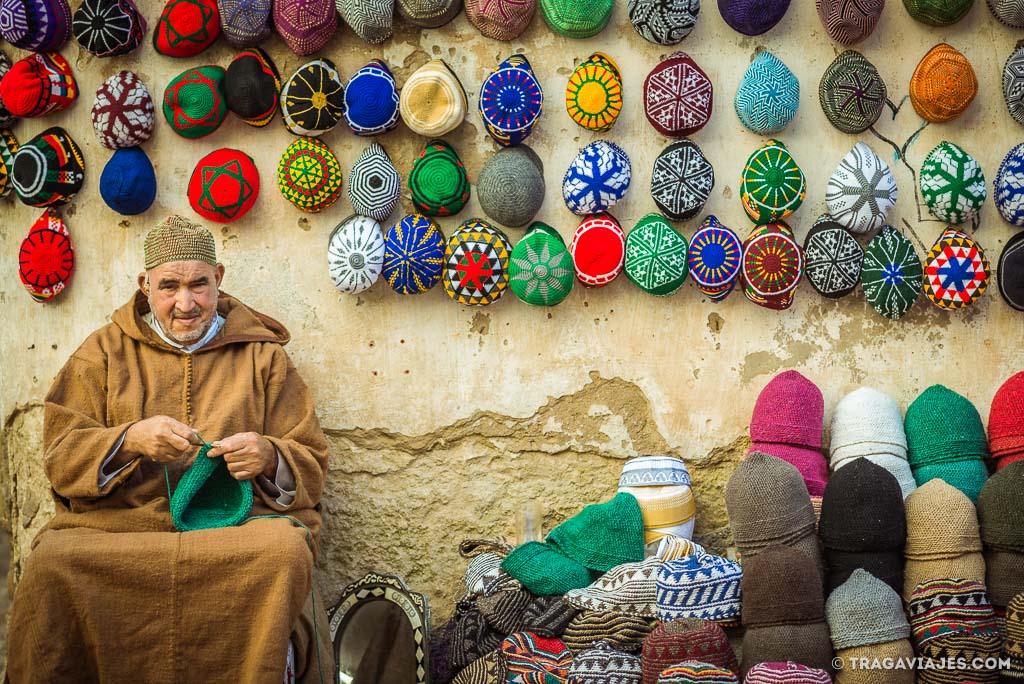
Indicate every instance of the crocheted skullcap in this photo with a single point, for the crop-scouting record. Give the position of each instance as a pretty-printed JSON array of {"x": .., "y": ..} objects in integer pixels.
[
  {"x": 597, "y": 178},
  {"x": 849, "y": 22},
  {"x": 37, "y": 85},
  {"x": 655, "y": 258},
  {"x": 476, "y": 267},
  {"x": 413, "y": 255},
  {"x": 603, "y": 535},
  {"x": 938, "y": 12},
  {"x": 864, "y": 611},
  {"x": 683, "y": 639},
  {"x": 178, "y": 239},
  {"x": 952, "y": 183},
  {"x": 355, "y": 254},
  {"x": 943, "y": 85},
  {"x": 371, "y": 21},
  {"x": 1007, "y": 12},
  {"x": 1008, "y": 186},
  {"x": 428, "y": 13},
  {"x": 785, "y": 672},
  {"x": 663, "y": 22},
  {"x": 628, "y": 588},
  {"x": 772, "y": 186},
  {"x": 108, "y": 28},
  {"x": 251, "y": 87},
  {"x": 128, "y": 182},
  {"x": 511, "y": 101},
  {"x": 374, "y": 185},
  {"x": 6, "y": 118},
  {"x": 861, "y": 191},
  {"x": 540, "y": 269},
  {"x": 768, "y": 96},
  {"x": 502, "y": 20},
  {"x": 313, "y": 99},
  {"x": 305, "y": 25},
  {"x": 8, "y": 148},
  {"x": 956, "y": 271},
  {"x": 48, "y": 169},
  {"x": 621, "y": 631},
  {"x": 371, "y": 100},
  {"x": 701, "y": 586},
  {"x": 433, "y": 101},
  {"x": 122, "y": 113},
  {"x": 752, "y": 17},
  {"x": 35, "y": 25},
  {"x": 714, "y": 258},
  {"x": 598, "y": 250},
  {"x": 678, "y": 96},
  {"x": 832, "y": 258},
  {"x": 46, "y": 258},
  {"x": 593, "y": 96},
  {"x": 245, "y": 23},
  {"x": 851, "y": 93},
  {"x": 892, "y": 275},
  {"x": 309, "y": 175},
  {"x": 603, "y": 664},
  {"x": 186, "y": 27},
  {"x": 695, "y": 672},
  {"x": 682, "y": 180},
  {"x": 577, "y": 18},
  {"x": 511, "y": 186},
  {"x": 438, "y": 181},
  {"x": 224, "y": 185},
  {"x": 194, "y": 103},
  {"x": 1010, "y": 274},
  {"x": 773, "y": 266}
]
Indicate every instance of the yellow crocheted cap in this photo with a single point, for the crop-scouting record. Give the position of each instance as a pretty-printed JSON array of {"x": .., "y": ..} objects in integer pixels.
[{"x": 178, "y": 239}]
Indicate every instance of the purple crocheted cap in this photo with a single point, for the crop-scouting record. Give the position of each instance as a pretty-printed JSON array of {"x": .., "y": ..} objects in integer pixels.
[
  {"x": 752, "y": 17},
  {"x": 305, "y": 25}
]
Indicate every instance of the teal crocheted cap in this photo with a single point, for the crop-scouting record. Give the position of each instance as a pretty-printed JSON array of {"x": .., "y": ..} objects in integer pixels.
[
  {"x": 941, "y": 426},
  {"x": 968, "y": 476},
  {"x": 603, "y": 535},
  {"x": 544, "y": 571},
  {"x": 208, "y": 496}
]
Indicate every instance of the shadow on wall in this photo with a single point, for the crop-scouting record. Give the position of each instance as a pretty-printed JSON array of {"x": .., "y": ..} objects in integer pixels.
[{"x": 5, "y": 600}]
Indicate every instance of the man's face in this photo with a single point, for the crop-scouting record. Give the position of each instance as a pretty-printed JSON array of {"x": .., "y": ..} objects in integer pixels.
[{"x": 183, "y": 297}]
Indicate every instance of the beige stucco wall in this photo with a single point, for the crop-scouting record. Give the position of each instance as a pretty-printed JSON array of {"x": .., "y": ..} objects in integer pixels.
[{"x": 446, "y": 420}]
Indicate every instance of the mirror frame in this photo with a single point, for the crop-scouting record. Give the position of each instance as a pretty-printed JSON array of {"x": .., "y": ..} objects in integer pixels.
[{"x": 375, "y": 586}]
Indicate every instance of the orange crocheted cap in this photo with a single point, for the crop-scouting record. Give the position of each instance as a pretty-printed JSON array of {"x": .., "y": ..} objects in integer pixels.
[{"x": 943, "y": 84}]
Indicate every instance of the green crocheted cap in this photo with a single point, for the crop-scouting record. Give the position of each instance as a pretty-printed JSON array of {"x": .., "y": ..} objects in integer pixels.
[
  {"x": 943, "y": 426},
  {"x": 952, "y": 183},
  {"x": 577, "y": 18},
  {"x": 544, "y": 571},
  {"x": 540, "y": 269},
  {"x": 656, "y": 256},
  {"x": 208, "y": 496},
  {"x": 194, "y": 103},
  {"x": 937, "y": 12},
  {"x": 603, "y": 535},
  {"x": 438, "y": 180},
  {"x": 968, "y": 476}
]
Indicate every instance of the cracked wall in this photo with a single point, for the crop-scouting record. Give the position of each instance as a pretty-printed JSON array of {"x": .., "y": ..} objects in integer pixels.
[{"x": 446, "y": 421}]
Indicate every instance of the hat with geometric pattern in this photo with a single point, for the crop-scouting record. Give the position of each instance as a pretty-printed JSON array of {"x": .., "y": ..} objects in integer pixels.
[
  {"x": 224, "y": 185},
  {"x": 938, "y": 12},
  {"x": 682, "y": 180},
  {"x": 701, "y": 586},
  {"x": 313, "y": 99},
  {"x": 892, "y": 274},
  {"x": 678, "y": 96},
  {"x": 533, "y": 659},
  {"x": 1008, "y": 187},
  {"x": 598, "y": 250},
  {"x": 577, "y": 18},
  {"x": 245, "y": 23},
  {"x": 108, "y": 28},
  {"x": 768, "y": 96},
  {"x": 37, "y": 85},
  {"x": 1013, "y": 85},
  {"x": 501, "y": 20},
  {"x": 696, "y": 672},
  {"x": 1007, "y": 12},
  {"x": 752, "y": 18},
  {"x": 374, "y": 185},
  {"x": 849, "y": 22},
  {"x": 122, "y": 113},
  {"x": 714, "y": 259},
  {"x": 628, "y": 588},
  {"x": 603, "y": 664},
  {"x": 786, "y": 672},
  {"x": 6, "y": 118},
  {"x": 128, "y": 182},
  {"x": 305, "y": 25},
  {"x": 656, "y": 256},
  {"x": 309, "y": 175},
  {"x": 428, "y": 13},
  {"x": 371, "y": 21},
  {"x": 674, "y": 641},
  {"x": 476, "y": 263},
  {"x": 1013, "y": 644},
  {"x": 35, "y": 25},
  {"x": 194, "y": 103},
  {"x": 956, "y": 271},
  {"x": 593, "y": 96},
  {"x": 952, "y": 183},
  {"x": 251, "y": 87},
  {"x": 772, "y": 186},
  {"x": 48, "y": 169},
  {"x": 46, "y": 259},
  {"x": 861, "y": 191},
  {"x": 851, "y": 92},
  {"x": 413, "y": 255},
  {"x": 772, "y": 265},
  {"x": 8, "y": 148},
  {"x": 186, "y": 27},
  {"x": 1010, "y": 274},
  {"x": 438, "y": 180},
  {"x": 663, "y": 22},
  {"x": 832, "y": 258},
  {"x": 433, "y": 101},
  {"x": 371, "y": 100},
  {"x": 355, "y": 254},
  {"x": 510, "y": 187},
  {"x": 511, "y": 101},
  {"x": 597, "y": 179},
  {"x": 540, "y": 268},
  {"x": 943, "y": 85}
]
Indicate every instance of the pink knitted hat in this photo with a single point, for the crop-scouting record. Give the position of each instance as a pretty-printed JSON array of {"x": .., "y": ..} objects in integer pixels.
[
  {"x": 810, "y": 462},
  {"x": 789, "y": 410},
  {"x": 786, "y": 673}
]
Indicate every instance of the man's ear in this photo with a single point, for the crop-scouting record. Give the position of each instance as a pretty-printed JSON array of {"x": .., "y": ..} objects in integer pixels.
[
  {"x": 219, "y": 272},
  {"x": 144, "y": 283}
]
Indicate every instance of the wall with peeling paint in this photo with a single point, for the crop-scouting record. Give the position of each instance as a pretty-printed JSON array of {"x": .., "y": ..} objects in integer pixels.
[{"x": 444, "y": 420}]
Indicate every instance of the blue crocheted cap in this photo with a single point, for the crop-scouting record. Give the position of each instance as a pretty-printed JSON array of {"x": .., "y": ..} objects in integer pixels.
[
  {"x": 597, "y": 179},
  {"x": 511, "y": 101},
  {"x": 413, "y": 255},
  {"x": 768, "y": 96},
  {"x": 371, "y": 100},
  {"x": 128, "y": 182}
]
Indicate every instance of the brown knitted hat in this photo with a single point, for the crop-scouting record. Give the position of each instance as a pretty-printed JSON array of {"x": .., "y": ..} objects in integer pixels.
[
  {"x": 968, "y": 566},
  {"x": 548, "y": 616},
  {"x": 622, "y": 632},
  {"x": 504, "y": 610},
  {"x": 807, "y": 644},
  {"x": 898, "y": 649},
  {"x": 1003, "y": 576},
  {"x": 178, "y": 239},
  {"x": 941, "y": 523},
  {"x": 781, "y": 587},
  {"x": 1001, "y": 509},
  {"x": 686, "y": 639},
  {"x": 767, "y": 501}
]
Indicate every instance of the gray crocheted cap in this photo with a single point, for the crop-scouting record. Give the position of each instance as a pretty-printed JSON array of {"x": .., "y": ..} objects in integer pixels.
[
  {"x": 371, "y": 21},
  {"x": 511, "y": 186},
  {"x": 428, "y": 13},
  {"x": 602, "y": 664},
  {"x": 864, "y": 610}
]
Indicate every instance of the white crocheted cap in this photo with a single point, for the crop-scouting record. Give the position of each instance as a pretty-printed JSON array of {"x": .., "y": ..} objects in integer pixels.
[{"x": 867, "y": 422}]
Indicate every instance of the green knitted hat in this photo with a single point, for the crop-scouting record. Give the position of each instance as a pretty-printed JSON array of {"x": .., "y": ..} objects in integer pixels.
[
  {"x": 969, "y": 475},
  {"x": 952, "y": 183},
  {"x": 208, "y": 496},
  {"x": 656, "y": 256},
  {"x": 603, "y": 535},
  {"x": 540, "y": 269},
  {"x": 438, "y": 180},
  {"x": 544, "y": 571},
  {"x": 943, "y": 426},
  {"x": 194, "y": 103},
  {"x": 577, "y": 18},
  {"x": 937, "y": 12}
]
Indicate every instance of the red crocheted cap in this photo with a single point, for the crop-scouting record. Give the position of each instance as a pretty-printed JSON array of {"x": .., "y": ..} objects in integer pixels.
[
  {"x": 598, "y": 250},
  {"x": 186, "y": 27},
  {"x": 789, "y": 410},
  {"x": 1006, "y": 417},
  {"x": 38, "y": 85},
  {"x": 224, "y": 185},
  {"x": 47, "y": 259}
]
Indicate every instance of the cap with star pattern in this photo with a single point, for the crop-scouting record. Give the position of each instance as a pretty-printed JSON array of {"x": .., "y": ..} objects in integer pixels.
[
  {"x": 224, "y": 185},
  {"x": 476, "y": 259},
  {"x": 540, "y": 268},
  {"x": 655, "y": 258},
  {"x": 956, "y": 272},
  {"x": 313, "y": 99},
  {"x": 832, "y": 258},
  {"x": 892, "y": 273}
]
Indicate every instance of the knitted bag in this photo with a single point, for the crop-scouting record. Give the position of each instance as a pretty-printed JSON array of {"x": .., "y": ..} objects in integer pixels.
[
  {"x": 851, "y": 92},
  {"x": 208, "y": 496},
  {"x": 943, "y": 85},
  {"x": 593, "y": 96},
  {"x": 678, "y": 96},
  {"x": 504, "y": 610},
  {"x": 768, "y": 95}
]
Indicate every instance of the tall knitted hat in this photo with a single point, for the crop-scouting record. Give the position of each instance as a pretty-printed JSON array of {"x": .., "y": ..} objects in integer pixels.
[
  {"x": 752, "y": 17},
  {"x": 35, "y": 25},
  {"x": 6, "y": 118},
  {"x": 39, "y": 84},
  {"x": 861, "y": 191},
  {"x": 887, "y": 566},
  {"x": 603, "y": 535},
  {"x": 1010, "y": 274},
  {"x": 540, "y": 269},
  {"x": 8, "y": 148},
  {"x": 598, "y": 250},
  {"x": 1013, "y": 644},
  {"x": 371, "y": 21},
  {"x": 898, "y": 650},
  {"x": 428, "y": 13},
  {"x": 511, "y": 186},
  {"x": 938, "y": 12},
  {"x": 208, "y": 496},
  {"x": 678, "y": 96},
  {"x": 772, "y": 266},
  {"x": 245, "y": 23},
  {"x": 943, "y": 85},
  {"x": 46, "y": 259},
  {"x": 511, "y": 101},
  {"x": 122, "y": 113},
  {"x": 1007, "y": 12},
  {"x": 1013, "y": 84},
  {"x": 371, "y": 100},
  {"x": 714, "y": 258},
  {"x": 438, "y": 181},
  {"x": 621, "y": 631},
  {"x": 682, "y": 180},
  {"x": 597, "y": 179},
  {"x": 701, "y": 586},
  {"x": 545, "y": 571},
  {"x": 628, "y": 588},
  {"x": 785, "y": 672},
  {"x": 251, "y": 87},
  {"x": 433, "y": 101},
  {"x": 1001, "y": 510},
  {"x": 355, "y": 254},
  {"x": 674, "y": 641},
  {"x": 186, "y": 27},
  {"x": 832, "y": 258},
  {"x": 862, "y": 510},
  {"x": 1008, "y": 185},
  {"x": 941, "y": 523},
  {"x": 952, "y": 183},
  {"x": 942, "y": 426},
  {"x": 476, "y": 264},
  {"x": 866, "y": 422},
  {"x": 772, "y": 186},
  {"x": 956, "y": 271},
  {"x": 178, "y": 239},
  {"x": 695, "y": 672},
  {"x": 768, "y": 96},
  {"x": 1006, "y": 419},
  {"x": 865, "y": 611},
  {"x": 309, "y": 175},
  {"x": 108, "y": 28},
  {"x": 313, "y": 99},
  {"x": 849, "y": 23},
  {"x": 374, "y": 185},
  {"x": 224, "y": 185},
  {"x": 305, "y": 25},
  {"x": 577, "y": 18},
  {"x": 502, "y": 19},
  {"x": 602, "y": 664},
  {"x": 656, "y": 256},
  {"x": 48, "y": 169},
  {"x": 593, "y": 96},
  {"x": 194, "y": 103},
  {"x": 128, "y": 182},
  {"x": 663, "y": 22},
  {"x": 851, "y": 92},
  {"x": 892, "y": 275}
]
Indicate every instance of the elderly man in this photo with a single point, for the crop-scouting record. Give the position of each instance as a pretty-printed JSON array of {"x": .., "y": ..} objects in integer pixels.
[{"x": 111, "y": 591}]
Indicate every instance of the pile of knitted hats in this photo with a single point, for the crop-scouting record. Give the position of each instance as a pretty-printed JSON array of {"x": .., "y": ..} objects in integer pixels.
[
  {"x": 1001, "y": 514},
  {"x": 946, "y": 440},
  {"x": 1006, "y": 422},
  {"x": 868, "y": 424},
  {"x": 788, "y": 422}
]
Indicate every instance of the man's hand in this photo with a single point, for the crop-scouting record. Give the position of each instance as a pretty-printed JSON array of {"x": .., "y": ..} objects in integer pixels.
[
  {"x": 160, "y": 438},
  {"x": 247, "y": 454}
]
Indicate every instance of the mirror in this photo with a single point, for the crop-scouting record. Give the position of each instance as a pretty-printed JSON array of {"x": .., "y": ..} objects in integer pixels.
[{"x": 379, "y": 630}]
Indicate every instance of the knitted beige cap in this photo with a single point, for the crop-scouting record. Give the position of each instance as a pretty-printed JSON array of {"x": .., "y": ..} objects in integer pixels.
[
  {"x": 178, "y": 239},
  {"x": 968, "y": 566},
  {"x": 941, "y": 523},
  {"x": 898, "y": 649}
]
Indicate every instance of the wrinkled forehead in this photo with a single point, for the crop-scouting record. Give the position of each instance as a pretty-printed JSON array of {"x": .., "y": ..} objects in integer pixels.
[{"x": 181, "y": 272}]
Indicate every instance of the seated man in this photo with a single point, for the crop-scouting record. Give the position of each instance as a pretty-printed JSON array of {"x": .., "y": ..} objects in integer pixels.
[{"x": 111, "y": 592}]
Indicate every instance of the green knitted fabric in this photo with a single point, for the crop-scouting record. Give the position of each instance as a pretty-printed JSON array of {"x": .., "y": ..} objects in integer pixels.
[
  {"x": 438, "y": 180},
  {"x": 943, "y": 426},
  {"x": 540, "y": 269},
  {"x": 656, "y": 256},
  {"x": 938, "y": 12},
  {"x": 208, "y": 496},
  {"x": 952, "y": 183},
  {"x": 603, "y": 535},
  {"x": 968, "y": 475},
  {"x": 545, "y": 571},
  {"x": 1001, "y": 509},
  {"x": 577, "y": 18}
]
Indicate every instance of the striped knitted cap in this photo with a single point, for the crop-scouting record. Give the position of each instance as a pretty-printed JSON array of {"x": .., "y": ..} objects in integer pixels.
[
  {"x": 603, "y": 535},
  {"x": 1001, "y": 509},
  {"x": 781, "y": 586},
  {"x": 865, "y": 610},
  {"x": 941, "y": 426},
  {"x": 941, "y": 523},
  {"x": 654, "y": 471},
  {"x": 767, "y": 501},
  {"x": 701, "y": 586},
  {"x": 752, "y": 18},
  {"x": 472, "y": 637},
  {"x": 628, "y": 588},
  {"x": 851, "y": 92},
  {"x": 673, "y": 548},
  {"x": 938, "y": 12},
  {"x": 433, "y": 101},
  {"x": 504, "y": 610},
  {"x": 484, "y": 670},
  {"x": 178, "y": 239},
  {"x": 785, "y": 673},
  {"x": 695, "y": 672},
  {"x": 544, "y": 571},
  {"x": 686, "y": 639},
  {"x": 849, "y": 22},
  {"x": 866, "y": 422},
  {"x": 943, "y": 85},
  {"x": 1008, "y": 185},
  {"x": 862, "y": 510},
  {"x": 548, "y": 616},
  {"x": 622, "y": 632},
  {"x": 768, "y": 95},
  {"x": 603, "y": 664},
  {"x": 577, "y": 18},
  {"x": 940, "y": 607},
  {"x": 593, "y": 96}
]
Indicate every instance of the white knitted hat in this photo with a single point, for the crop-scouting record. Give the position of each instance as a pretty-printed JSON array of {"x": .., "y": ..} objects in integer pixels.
[
  {"x": 897, "y": 467},
  {"x": 867, "y": 422}
]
